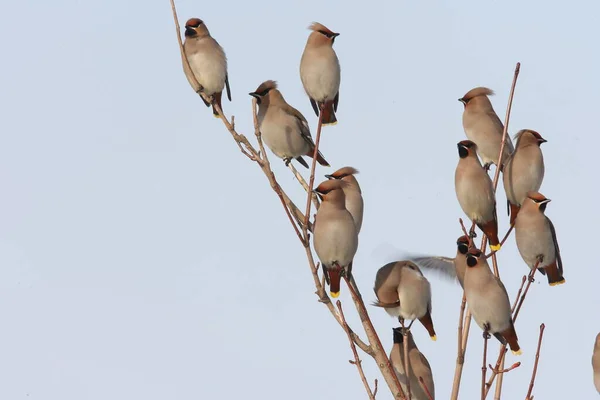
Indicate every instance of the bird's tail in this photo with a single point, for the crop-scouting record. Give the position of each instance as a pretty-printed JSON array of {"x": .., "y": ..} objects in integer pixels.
[
  {"x": 320, "y": 157},
  {"x": 328, "y": 117},
  {"x": 511, "y": 337},
  {"x": 335, "y": 276},
  {"x": 428, "y": 324},
  {"x": 555, "y": 276},
  {"x": 490, "y": 229},
  {"x": 217, "y": 100}
]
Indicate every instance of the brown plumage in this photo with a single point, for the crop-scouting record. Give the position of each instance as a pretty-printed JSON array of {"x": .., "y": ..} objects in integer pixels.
[
  {"x": 354, "y": 200},
  {"x": 320, "y": 72},
  {"x": 524, "y": 170},
  {"x": 207, "y": 62},
  {"x": 284, "y": 129},
  {"x": 475, "y": 192},
  {"x": 536, "y": 238},
  {"x": 404, "y": 292},
  {"x": 482, "y": 126}
]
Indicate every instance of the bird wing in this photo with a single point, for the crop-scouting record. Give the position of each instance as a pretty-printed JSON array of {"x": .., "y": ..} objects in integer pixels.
[
  {"x": 227, "y": 87},
  {"x": 443, "y": 265},
  {"x": 556, "y": 249}
]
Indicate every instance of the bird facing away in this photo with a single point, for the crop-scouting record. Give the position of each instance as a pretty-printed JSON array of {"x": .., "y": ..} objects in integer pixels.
[
  {"x": 335, "y": 236},
  {"x": 320, "y": 72},
  {"x": 450, "y": 267},
  {"x": 488, "y": 300},
  {"x": 354, "y": 200},
  {"x": 283, "y": 128},
  {"x": 404, "y": 292},
  {"x": 482, "y": 126},
  {"x": 418, "y": 366},
  {"x": 596, "y": 363},
  {"x": 475, "y": 192},
  {"x": 524, "y": 170},
  {"x": 207, "y": 62},
  {"x": 536, "y": 238}
]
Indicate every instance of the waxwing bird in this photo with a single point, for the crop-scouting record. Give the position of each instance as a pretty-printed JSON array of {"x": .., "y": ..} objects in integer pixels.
[
  {"x": 488, "y": 300},
  {"x": 482, "y": 126},
  {"x": 354, "y": 200},
  {"x": 475, "y": 192},
  {"x": 320, "y": 72},
  {"x": 404, "y": 292},
  {"x": 450, "y": 267},
  {"x": 524, "y": 170},
  {"x": 536, "y": 238},
  {"x": 596, "y": 363},
  {"x": 418, "y": 367},
  {"x": 207, "y": 62},
  {"x": 283, "y": 128},
  {"x": 335, "y": 236}
]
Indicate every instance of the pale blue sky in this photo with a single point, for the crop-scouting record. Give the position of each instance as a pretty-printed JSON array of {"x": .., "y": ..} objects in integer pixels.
[{"x": 143, "y": 257}]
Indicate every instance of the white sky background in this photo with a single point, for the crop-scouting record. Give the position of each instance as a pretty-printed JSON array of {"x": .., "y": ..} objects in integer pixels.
[{"x": 143, "y": 257}]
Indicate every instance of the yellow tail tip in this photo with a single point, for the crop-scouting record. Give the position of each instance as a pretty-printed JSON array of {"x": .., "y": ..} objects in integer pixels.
[
  {"x": 334, "y": 294},
  {"x": 217, "y": 116},
  {"x": 517, "y": 353},
  {"x": 329, "y": 123},
  {"x": 495, "y": 247},
  {"x": 434, "y": 337},
  {"x": 558, "y": 283}
]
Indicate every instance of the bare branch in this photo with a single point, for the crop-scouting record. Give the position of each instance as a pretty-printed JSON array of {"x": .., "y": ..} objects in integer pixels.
[
  {"x": 535, "y": 365},
  {"x": 300, "y": 179},
  {"x": 357, "y": 360}
]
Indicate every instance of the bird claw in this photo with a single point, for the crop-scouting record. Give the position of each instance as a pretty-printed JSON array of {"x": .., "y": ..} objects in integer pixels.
[{"x": 287, "y": 161}]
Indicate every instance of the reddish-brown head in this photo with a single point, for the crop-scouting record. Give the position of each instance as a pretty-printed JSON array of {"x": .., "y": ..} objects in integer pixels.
[
  {"x": 538, "y": 199},
  {"x": 527, "y": 137},
  {"x": 195, "y": 27},
  {"x": 263, "y": 89},
  {"x": 321, "y": 35}
]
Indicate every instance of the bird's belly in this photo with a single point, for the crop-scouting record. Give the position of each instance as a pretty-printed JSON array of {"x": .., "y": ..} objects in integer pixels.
[
  {"x": 486, "y": 312},
  {"x": 413, "y": 302},
  {"x": 531, "y": 246},
  {"x": 474, "y": 202},
  {"x": 321, "y": 79},
  {"x": 336, "y": 241},
  {"x": 284, "y": 141},
  {"x": 209, "y": 71}
]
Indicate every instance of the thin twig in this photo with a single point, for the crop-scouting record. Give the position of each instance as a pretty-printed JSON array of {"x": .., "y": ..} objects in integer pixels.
[
  {"x": 459, "y": 367},
  {"x": 499, "y": 381},
  {"x": 486, "y": 336},
  {"x": 381, "y": 358},
  {"x": 535, "y": 364},
  {"x": 530, "y": 280},
  {"x": 376, "y": 387},
  {"x": 406, "y": 359},
  {"x": 300, "y": 179},
  {"x": 311, "y": 180},
  {"x": 523, "y": 280},
  {"x": 357, "y": 360}
]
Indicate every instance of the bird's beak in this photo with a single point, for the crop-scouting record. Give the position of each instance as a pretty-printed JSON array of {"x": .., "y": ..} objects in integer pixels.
[
  {"x": 329, "y": 176},
  {"x": 336, "y": 35},
  {"x": 542, "y": 140},
  {"x": 462, "y": 101},
  {"x": 319, "y": 195},
  {"x": 253, "y": 94},
  {"x": 545, "y": 201}
]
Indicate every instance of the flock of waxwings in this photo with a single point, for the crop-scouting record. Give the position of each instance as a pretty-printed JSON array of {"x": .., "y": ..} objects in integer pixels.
[{"x": 400, "y": 287}]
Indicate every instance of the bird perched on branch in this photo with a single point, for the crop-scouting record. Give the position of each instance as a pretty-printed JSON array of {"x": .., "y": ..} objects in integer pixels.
[
  {"x": 524, "y": 170},
  {"x": 475, "y": 192},
  {"x": 320, "y": 72},
  {"x": 354, "y": 200},
  {"x": 404, "y": 292},
  {"x": 283, "y": 128},
  {"x": 418, "y": 367},
  {"x": 536, "y": 238},
  {"x": 483, "y": 126},
  {"x": 207, "y": 61},
  {"x": 450, "y": 267},
  {"x": 488, "y": 300},
  {"x": 335, "y": 235}
]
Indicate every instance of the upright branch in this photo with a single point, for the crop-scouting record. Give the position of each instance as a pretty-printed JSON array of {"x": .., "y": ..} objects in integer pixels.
[
  {"x": 467, "y": 325},
  {"x": 357, "y": 361},
  {"x": 486, "y": 336},
  {"x": 535, "y": 364}
]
